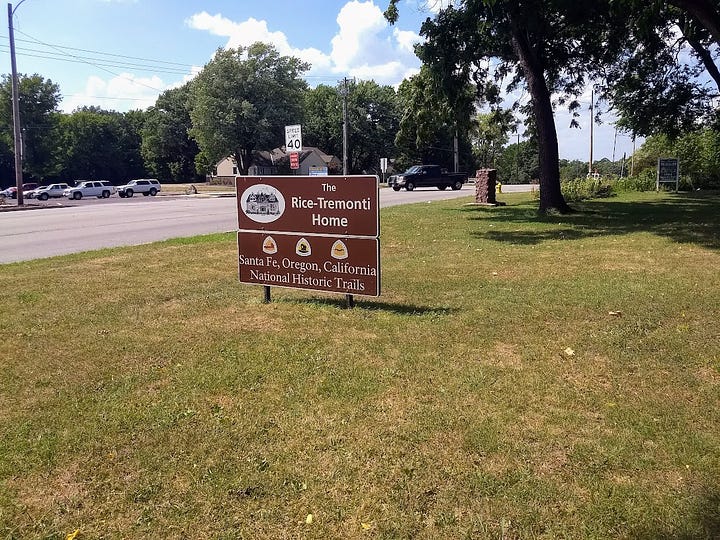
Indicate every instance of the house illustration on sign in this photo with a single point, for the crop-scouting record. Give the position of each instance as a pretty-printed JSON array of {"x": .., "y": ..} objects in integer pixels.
[{"x": 259, "y": 202}]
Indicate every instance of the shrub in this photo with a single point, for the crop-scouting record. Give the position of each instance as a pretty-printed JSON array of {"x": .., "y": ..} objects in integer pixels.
[
  {"x": 586, "y": 188},
  {"x": 645, "y": 181}
]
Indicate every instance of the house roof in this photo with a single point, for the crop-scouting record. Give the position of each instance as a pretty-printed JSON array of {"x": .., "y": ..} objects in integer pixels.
[{"x": 268, "y": 158}]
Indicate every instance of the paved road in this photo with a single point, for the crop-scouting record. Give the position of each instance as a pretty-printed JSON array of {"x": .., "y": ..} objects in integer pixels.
[{"x": 96, "y": 224}]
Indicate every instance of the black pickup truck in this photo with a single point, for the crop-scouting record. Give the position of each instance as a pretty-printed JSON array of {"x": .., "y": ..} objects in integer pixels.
[{"x": 427, "y": 175}]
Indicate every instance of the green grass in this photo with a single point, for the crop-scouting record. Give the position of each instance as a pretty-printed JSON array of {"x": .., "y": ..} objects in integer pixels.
[{"x": 488, "y": 393}]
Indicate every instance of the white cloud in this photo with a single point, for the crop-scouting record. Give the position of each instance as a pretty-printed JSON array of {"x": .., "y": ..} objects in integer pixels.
[
  {"x": 407, "y": 39},
  {"x": 433, "y": 6},
  {"x": 121, "y": 93},
  {"x": 363, "y": 47},
  {"x": 250, "y": 31},
  {"x": 359, "y": 39}
]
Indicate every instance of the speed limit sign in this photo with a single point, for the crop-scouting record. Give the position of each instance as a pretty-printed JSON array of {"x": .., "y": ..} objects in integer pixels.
[{"x": 293, "y": 138}]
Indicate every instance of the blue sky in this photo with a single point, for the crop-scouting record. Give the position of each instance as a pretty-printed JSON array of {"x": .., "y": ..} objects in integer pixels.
[{"x": 120, "y": 54}]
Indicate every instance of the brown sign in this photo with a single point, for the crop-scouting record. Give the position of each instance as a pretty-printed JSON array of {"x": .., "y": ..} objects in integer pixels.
[
  {"x": 333, "y": 264},
  {"x": 335, "y": 205}
]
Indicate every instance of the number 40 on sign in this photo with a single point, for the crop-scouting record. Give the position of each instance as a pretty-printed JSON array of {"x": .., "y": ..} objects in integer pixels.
[{"x": 293, "y": 138}]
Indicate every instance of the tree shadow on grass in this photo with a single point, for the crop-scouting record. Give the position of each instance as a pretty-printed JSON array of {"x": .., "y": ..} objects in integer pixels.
[
  {"x": 685, "y": 218},
  {"x": 704, "y": 520},
  {"x": 370, "y": 305}
]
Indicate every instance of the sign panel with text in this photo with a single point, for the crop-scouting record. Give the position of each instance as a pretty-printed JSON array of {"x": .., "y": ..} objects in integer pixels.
[
  {"x": 668, "y": 172},
  {"x": 293, "y": 138},
  {"x": 324, "y": 205},
  {"x": 294, "y": 160},
  {"x": 348, "y": 265}
]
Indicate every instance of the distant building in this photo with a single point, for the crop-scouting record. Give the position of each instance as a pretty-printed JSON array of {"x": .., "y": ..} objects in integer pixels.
[{"x": 275, "y": 162}]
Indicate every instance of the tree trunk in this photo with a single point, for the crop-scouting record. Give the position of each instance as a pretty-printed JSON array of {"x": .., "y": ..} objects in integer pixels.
[
  {"x": 551, "y": 197},
  {"x": 243, "y": 157},
  {"x": 705, "y": 12},
  {"x": 706, "y": 58}
]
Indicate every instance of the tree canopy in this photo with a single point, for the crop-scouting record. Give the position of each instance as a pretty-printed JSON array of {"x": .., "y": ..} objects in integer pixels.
[
  {"x": 38, "y": 99},
  {"x": 431, "y": 118},
  {"x": 373, "y": 119},
  {"x": 242, "y": 99},
  {"x": 547, "y": 46},
  {"x": 101, "y": 145},
  {"x": 167, "y": 148},
  {"x": 555, "y": 48},
  {"x": 664, "y": 77}
]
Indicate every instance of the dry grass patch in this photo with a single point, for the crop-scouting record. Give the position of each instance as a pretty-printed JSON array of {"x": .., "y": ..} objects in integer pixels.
[{"x": 448, "y": 408}]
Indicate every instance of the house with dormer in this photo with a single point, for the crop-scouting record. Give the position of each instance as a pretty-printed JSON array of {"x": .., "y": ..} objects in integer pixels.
[{"x": 312, "y": 160}]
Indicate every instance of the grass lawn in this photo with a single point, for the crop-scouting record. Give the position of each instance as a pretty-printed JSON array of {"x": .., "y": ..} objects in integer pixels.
[
  {"x": 520, "y": 377},
  {"x": 200, "y": 187}
]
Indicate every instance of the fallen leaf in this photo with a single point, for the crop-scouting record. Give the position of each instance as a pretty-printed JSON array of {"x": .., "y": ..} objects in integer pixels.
[
  {"x": 569, "y": 352},
  {"x": 365, "y": 526},
  {"x": 72, "y": 535},
  {"x": 309, "y": 519}
]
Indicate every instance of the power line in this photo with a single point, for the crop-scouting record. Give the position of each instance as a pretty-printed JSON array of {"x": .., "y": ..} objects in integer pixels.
[
  {"x": 134, "y": 81},
  {"x": 106, "y": 97},
  {"x": 55, "y": 46},
  {"x": 112, "y": 63},
  {"x": 83, "y": 60},
  {"x": 103, "y": 63}
]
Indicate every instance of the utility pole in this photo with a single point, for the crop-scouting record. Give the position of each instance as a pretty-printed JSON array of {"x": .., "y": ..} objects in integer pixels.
[
  {"x": 17, "y": 139},
  {"x": 456, "y": 152},
  {"x": 349, "y": 299},
  {"x": 614, "y": 144},
  {"x": 592, "y": 122},
  {"x": 345, "y": 124},
  {"x": 517, "y": 158}
]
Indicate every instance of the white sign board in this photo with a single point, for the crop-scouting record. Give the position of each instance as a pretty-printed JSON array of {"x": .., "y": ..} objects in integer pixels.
[
  {"x": 383, "y": 164},
  {"x": 293, "y": 138}
]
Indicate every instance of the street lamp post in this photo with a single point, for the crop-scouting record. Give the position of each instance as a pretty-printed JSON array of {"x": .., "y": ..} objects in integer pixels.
[{"x": 16, "y": 108}]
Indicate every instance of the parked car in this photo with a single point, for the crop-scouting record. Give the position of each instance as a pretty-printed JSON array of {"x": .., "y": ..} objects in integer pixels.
[
  {"x": 90, "y": 188},
  {"x": 28, "y": 189},
  {"x": 427, "y": 175},
  {"x": 146, "y": 186},
  {"x": 11, "y": 192},
  {"x": 43, "y": 193}
]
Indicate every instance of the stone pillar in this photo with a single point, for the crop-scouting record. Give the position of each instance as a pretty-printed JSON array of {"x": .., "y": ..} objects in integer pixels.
[{"x": 485, "y": 180}]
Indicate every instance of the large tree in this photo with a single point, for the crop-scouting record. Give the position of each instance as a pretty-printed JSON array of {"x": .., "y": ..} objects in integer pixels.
[
  {"x": 665, "y": 76},
  {"x": 431, "y": 119},
  {"x": 241, "y": 101},
  {"x": 518, "y": 163},
  {"x": 97, "y": 144},
  {"x": 38, "y": 99},
  {"x": 490, "y": 134},
  {"x": 167, "y": 147},
  {"x": 322, "y": 124},
  {"x": 373, "y": 120},
  {"x": 548, "y": 46}
]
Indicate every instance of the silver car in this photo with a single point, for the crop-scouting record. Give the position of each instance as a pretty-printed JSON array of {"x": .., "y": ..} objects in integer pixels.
[{"x": 43, "y": 193}]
